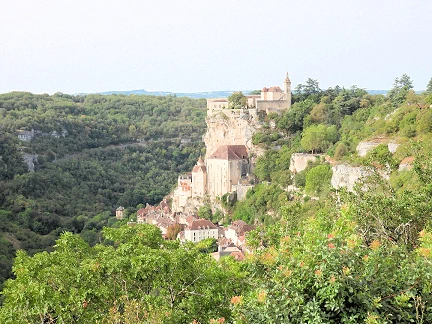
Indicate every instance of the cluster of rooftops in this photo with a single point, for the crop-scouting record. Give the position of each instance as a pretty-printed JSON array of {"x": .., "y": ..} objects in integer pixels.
[{"x": 231, "y": 238}]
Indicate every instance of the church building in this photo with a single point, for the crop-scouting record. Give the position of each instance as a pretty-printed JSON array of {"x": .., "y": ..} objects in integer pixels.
[{"x": 225, "y": 168}]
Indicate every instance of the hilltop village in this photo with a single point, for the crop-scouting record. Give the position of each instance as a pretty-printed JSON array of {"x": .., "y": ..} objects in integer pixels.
[
  {"x": 227, "y": 171},
  {"x": 227, "y": 168}
]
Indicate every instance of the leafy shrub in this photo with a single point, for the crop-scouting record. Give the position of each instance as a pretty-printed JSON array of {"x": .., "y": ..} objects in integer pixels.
[
  {"x": 318, "y": 179},
  {"x": 340, "y": 151}
]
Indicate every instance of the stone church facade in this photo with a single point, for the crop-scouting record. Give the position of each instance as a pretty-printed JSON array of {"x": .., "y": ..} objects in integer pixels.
[{"x": 225, "y": 168}]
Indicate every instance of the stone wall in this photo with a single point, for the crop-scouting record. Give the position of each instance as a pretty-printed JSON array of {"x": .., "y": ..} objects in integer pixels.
[
  {"x": 222, "y": 174},
  {"x": 241, "y": 190},
  {"x": 272, "y": 106}
]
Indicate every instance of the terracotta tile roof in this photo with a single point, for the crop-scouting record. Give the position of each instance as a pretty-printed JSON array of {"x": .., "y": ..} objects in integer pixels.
[
  {"x": 230, "y": 152},
  {"x": 275, "y": 89},
  {"x": 201, "y": 224},
  {"x": 190, "y": 219},
  {"x": 239, "y": 256},
  {"x": 163, "y": 204},
  {"x": 142, "y": 212},
  {"x": 224, "y": 242},
  {"x": 241, "y": 227},
  {"x": 198, "y": 168},
  {"x": 272, "y": 89},
  {"x": 164, "y": 222},
  {"x": 200, "y": 161}
]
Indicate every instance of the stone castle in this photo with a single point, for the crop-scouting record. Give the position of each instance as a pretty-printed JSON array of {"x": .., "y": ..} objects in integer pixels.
[{"x": 229, "y": 149}]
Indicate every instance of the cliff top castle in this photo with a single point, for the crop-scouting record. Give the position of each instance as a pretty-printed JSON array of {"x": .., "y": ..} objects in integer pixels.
[{"x": 271, "y": 99}]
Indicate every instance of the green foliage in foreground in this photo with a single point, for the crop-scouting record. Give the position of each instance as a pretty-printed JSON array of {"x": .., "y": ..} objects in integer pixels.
[
  {"x": 318, "y": 180},
  {"x": 321, "y": 271},
  {"x": 326, "y": 273},
  {"x": 359, "y": 258},
  {"x": 140, "y": 279}
]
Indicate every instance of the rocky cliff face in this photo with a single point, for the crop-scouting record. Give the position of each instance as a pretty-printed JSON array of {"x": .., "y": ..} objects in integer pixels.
[
  {"x": 345, "y": 175},
  {"x": 230, "y": 128}
]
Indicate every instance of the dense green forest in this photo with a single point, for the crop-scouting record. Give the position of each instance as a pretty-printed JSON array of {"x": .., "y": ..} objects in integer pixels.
[
  {"x": 109, "y": 151},
  {"x": 320, "y": 255}
]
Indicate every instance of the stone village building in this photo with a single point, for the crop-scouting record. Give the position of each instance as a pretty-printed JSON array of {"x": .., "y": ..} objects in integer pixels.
[
  {"x": 219, "y": 175},
  {"x": 201, "y": 229}
]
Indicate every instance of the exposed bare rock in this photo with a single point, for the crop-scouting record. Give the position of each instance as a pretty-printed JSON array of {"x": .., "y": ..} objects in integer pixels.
[
  {"x": 406, "y": 164},
  {"x": 364, "y": 147},
  {"x": 345, "y": 175},
  {"x": 392, "y": 146},
  {"x": 299, "y": 161},
  {"x": 30, "y": 160},
  {"x": 231, "y": 127}
]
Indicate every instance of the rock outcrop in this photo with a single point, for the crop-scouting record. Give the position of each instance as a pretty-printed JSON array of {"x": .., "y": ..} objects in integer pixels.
[
  {"x": 406, "y": 164},
  {"x": 299, "y": 161},
  {"x": 30, "y": 160},
  {"x": 364, "y": 147},
  {"x": 345, "y": 175}
]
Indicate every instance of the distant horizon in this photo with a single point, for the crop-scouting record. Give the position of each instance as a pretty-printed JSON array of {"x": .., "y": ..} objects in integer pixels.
[{"x": 196, "y": 94}]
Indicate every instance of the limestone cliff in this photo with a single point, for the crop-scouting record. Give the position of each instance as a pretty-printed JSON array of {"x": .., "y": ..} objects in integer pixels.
[
  {"x": 347, "y": 176},
  {"x": 231, "y": 127},
  {"x": 299, "y": 161},
  {"x": 365, "y": 146}
]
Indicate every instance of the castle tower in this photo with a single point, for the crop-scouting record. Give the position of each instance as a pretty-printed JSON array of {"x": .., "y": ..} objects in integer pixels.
[
  {"x": 287, "y": 90},
  {"x": 199, "y": 179}
]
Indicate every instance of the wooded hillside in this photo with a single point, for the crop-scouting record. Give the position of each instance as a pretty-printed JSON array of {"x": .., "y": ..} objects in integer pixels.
[{"x": 94, "y": 153}]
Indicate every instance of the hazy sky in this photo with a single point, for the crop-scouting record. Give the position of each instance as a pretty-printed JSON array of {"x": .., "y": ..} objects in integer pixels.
[{"x": 187, "y": 46}]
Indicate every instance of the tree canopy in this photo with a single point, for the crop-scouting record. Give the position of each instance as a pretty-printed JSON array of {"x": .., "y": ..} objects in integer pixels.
[
  {"x": 237, "y": 100},
  {"x": 139, "y": 279},
  {"x": 318, "y": 138}
]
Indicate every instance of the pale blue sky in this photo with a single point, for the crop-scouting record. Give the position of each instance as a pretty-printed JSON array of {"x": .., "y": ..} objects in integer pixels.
[{"x": 189, "y": 46}]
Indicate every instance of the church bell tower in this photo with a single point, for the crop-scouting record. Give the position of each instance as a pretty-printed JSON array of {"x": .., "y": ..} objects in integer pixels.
[{"x": 287, "y": 90}]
